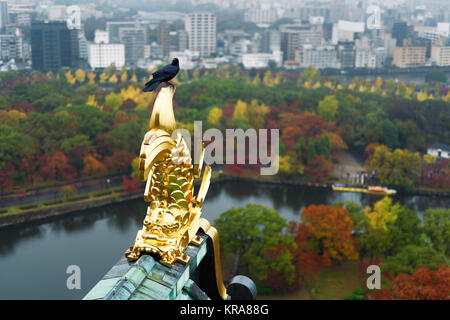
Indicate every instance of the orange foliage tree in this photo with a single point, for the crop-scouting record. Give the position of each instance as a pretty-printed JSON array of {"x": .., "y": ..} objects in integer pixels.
[
  {"x": 332, "y": 229},
  {"x": 54, "y": 166},
  {"x": 304, "y": 260},
  {"x": 92, "y": 166},
  {"x": 424, "y": 284}
]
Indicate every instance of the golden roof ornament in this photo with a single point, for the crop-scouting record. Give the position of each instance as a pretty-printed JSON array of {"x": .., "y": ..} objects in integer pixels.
[{"x": 174, "y": 213}]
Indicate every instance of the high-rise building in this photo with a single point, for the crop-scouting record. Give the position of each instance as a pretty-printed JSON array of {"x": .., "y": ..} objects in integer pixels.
[
  {"x": 134, "y": 41},
  {"x": 314, "y": 8},
  {"x": 201, "y": 28},
  {"x": 102, "y": 55},
  {"x": 10, "y": 46},
  {"x": 270, "y": 41},
  {"x": 346, "y": 54},
  {"x": 182, "y": 40},
  {"x": 263, "y": 15},
  {"x": 51, "y": 45},
  {"x": 113, "y": 29},
  {"x": 293, "y": 37},
  {"x": 400, "y": 32},
  {"x": 3, "y": 15},
  {"x": 163, "y": 37}
]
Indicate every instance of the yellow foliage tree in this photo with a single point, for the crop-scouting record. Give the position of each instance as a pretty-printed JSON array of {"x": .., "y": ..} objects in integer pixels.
[
  {"x": 240, "y": 110},
  {"x": 134, "y": 78},
  {"x": 256, "y": 79},
  {"x": 70, "y": 78},
  {"x": 378, "y": 84},
  {"x": 124, "y": 77},
  {"x": 214, "y": 116},
  {"x": 113, "y": 79},
  {"x": 383, "y": 213},
  {"x": 277, "y": 78},
  {"x": 103, "y": 77},
  {"x": 91, "y": 77},
  {"x": 422, "y": 95},
  {"x": 12, "y": 117},
  {"x": 429, "y": 158},
  {"x": 92, "y": 102},
  {"x": 257, "y": 113},
  {"x": 80, "y": 75},
  {"x": 267, "y": 79}
]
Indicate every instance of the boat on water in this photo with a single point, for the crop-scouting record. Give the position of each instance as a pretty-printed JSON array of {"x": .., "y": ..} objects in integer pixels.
[{"x": 376, "y": 190}]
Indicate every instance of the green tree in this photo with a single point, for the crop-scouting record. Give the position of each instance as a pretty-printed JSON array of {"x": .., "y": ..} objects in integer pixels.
[
  {"x": 356, "y": 213},
  {"x": 67, "y": 191},
  {"x": 323, "y": 146},
  {"x": 114, "y": 100},
  {"x": 249, "y": 231},
  {"x": 405, "y": 230},
  {"x": 299, "y": 147},
  {"x": 311, "y": 152},
  {"x": 328, "y": 107},
  {"x": 436, "y": 75},
  {"x": 357, "y": 294},
  {"x": 410, "y": 258},
  {"x": 126, "y": 136},
  {"x": 13, "y": 145},
  {"x": 437, "y": 228}
]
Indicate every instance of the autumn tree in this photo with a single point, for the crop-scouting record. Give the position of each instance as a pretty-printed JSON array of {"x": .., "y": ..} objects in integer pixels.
[
  {"x": 214, "y": 116},
  {"x": 103, "y": 77},
  {"x": 398, "y": 167},
  {"x": 309, "y": 74},
  {"x": 54, "y": 166},
  {"x": 119, "y": 160},
  {"x": 424, "y": 284},
  {"x": 70, "y": 78},
  {"x": 332, "y": 228},
  {"x": 92, "y": 166},
  {"x": 113, "y": 79},
  {"x": 6, "y": 174},
  {"x": 80, "y": 75},
  {"x": 91, "y": 76}
]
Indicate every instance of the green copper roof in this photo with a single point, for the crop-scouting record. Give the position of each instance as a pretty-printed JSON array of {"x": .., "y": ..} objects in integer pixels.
[{"x": 149, "y": 280}]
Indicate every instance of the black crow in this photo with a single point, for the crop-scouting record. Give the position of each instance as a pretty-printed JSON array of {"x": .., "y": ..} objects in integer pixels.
[{"x": 165, "y": 74}]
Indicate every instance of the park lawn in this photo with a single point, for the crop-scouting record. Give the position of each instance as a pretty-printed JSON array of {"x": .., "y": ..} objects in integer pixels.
[{"x": 332, "y": 283}]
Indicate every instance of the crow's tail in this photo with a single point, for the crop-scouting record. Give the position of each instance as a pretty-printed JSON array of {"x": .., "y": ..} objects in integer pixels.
[{"x": 150, "y": 86}]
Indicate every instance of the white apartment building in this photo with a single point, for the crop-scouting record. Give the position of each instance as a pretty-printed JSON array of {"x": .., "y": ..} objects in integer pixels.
[
  {"x": 440, "y": 56},
  {"x": 365, "y": 58},
  {"x": 102, "y": 55},
  {"x": 318, "y": 57},
  {"x": 261, "y": 60},
  {"x": 201, "y": 28},
  {"x": 262, "y": 16},
  {"x": 345, "y": 31}
]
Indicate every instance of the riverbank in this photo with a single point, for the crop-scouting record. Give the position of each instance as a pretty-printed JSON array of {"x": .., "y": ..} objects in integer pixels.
[
  {"x": 51, "y": 191},
  {"x": 46, "y": 209}
]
